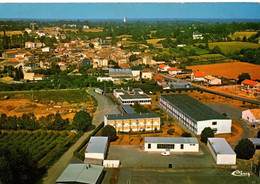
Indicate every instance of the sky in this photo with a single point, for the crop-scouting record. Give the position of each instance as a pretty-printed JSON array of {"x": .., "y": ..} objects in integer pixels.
[{"x": 219, "y": 10}]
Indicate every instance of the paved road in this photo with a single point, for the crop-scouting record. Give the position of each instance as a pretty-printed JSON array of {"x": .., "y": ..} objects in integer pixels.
[{"x": 105, "y": 106}]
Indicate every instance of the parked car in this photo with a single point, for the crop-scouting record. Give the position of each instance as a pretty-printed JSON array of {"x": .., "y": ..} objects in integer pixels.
[{"x": 166, "y": 153}]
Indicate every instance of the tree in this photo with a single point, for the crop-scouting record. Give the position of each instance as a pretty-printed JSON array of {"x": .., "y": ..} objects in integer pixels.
[
  {"x": 82, "y": 120},
  {"x": 206, "y": 132},
  {"x": 186, "y": 134},
  {"x": 171, "y": 131},
  {"x": 244, "y": 39},
  {"x": 216, "y": 50},
  {"x": 91, "y": 45},
  {"x": 245, "y": 149},
  {"x": 133, "y": 58},
  {"x": 110, "y": 132},
  {"x": 242, "y": 77}
]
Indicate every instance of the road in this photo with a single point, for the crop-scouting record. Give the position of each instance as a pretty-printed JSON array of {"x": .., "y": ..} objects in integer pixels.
[{"x": 105, "y": 106}]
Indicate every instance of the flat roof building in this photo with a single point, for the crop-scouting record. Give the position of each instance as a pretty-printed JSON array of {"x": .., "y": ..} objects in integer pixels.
[
  {"x": 128, "y": 109},
  {"x": 221, "y": 151},
  {"x": 96, "y": 150},
  {"x": 81, "y": 173},
  {"x": 175, "y": 144},
  {"x": 194, "y": 115},
  {"x": 133, "y": 121},
  {"x": 131, "y": 96}
]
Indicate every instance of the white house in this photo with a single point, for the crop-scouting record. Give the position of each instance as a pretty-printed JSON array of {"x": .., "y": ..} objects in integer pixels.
[
  {"x": 29, "y": 31},
  {"x": 251, "y": 115},
  {"x": 96, "y": 150},
  {"x": 175, "y": 144},
  {"x": 194, "y": 115},
  {"x": 136, "y": 74},
  {"x": 212, "y": 80},
  {"x": 197, "y": 35},
  {"x": 46, "y": 49},
  {"x": 174, "y": 71},
  {"x": 28, "y": 76},
  {"x": 146, "y": 74},
  {"x": 198, "y": 76},
  {"x": 221, "y": 151},
  {"x": 29, "y": 45},
  {"x": 163, "y": 67},
  {"x": 38, "y": 77}
]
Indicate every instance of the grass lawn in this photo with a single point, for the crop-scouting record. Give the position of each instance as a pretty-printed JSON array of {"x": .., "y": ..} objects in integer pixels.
[
  {"x": 154, "y": 41},
  {"x": 230, "y": 47},
  {"x": 72, "y": 96},
  {"x": 241, "y": 35},
  {"x": 124, "y": 35}
]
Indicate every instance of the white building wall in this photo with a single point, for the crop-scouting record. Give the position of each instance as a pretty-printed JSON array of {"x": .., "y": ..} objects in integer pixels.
[
  {"x": 223, "y": 126},
  {"x": 187, "y": 147},
  {"x": 248, "y": 116},
  {"x": 215, "y": 82},
  {"x": 95, "y": 155},
  {"x": 225, "y": 159},
  {"x": 146, "y": 75}
]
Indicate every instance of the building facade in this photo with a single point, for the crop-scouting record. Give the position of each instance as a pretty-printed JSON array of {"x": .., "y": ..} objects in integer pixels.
[
  {"x": 133, "y": 121},
  {"x": 251, "y": 115},
  {"x": 175, "y": 144},
  {"x": 194, "y": 115}
]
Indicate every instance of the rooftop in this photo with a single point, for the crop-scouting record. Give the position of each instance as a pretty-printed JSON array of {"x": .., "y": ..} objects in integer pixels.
[
  {"x": 162, "y": 66},
  {"x": 193, "y": 108},
  {"x": 128, "y": 109},
  {"x": 132, "y": 116},
  {"x": 174, "y": 69},
  {"x": 166, "y": 140},
  {"x": 81, "y": 173},
  {"x": 256, "y": 113},
  {"x": 255, "y": 141},
  {"x": 120, "y": 71},
  {"x": 221, "y": 146},
  {"x": 134, "y": 96},
  {"x": 250, "y": 82},
  {"x": 199, "y": 74},
  {"x": 97, "y": 144}
]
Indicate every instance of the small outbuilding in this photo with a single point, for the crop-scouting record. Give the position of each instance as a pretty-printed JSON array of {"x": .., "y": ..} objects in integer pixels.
[
  {"x": 175, "y": 144},
  {"x": 251, "y": 115},
  {"x": 96, "y": 150},
  {"x": 256, "y": 142},
  {"x": 81, "y": 173},
  {"x": 221, "y": 151}
]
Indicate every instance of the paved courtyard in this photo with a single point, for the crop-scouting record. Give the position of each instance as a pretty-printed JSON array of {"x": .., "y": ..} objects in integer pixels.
[{"x": 135, "y": 157}]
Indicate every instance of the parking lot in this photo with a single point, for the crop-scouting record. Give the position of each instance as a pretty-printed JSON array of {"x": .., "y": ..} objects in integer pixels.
[{"x": 136, "y": 157}]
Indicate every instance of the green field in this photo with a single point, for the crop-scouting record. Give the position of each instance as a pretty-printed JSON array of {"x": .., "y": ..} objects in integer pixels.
[
  {"x": 44, "y": 147},
  {"x": 210, "y": 56},
  {"x": 71, "y": 96},
  {"x": 241, "y": 35},
  {"x": 231, "y": 47}
]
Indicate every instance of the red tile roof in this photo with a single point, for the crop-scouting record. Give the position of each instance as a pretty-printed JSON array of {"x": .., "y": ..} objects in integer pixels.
[
  {"x": 162, "y": 66},
  {"x": 10, "y": 52},
  {"x": 145, "y": 70},
  {"x": 158, "y": 78},
  {"x": 13, "y": 60},
  {"x": 63, "y": 63},
  {"x": 174, "y": 69},
  {"x": 20, "y": 57},
  {"x": 72, "y": 43},
  {"x": 250, "y": 82},
  {"x": 38, "y": 75},
  {"x": 199, "y": 74}
]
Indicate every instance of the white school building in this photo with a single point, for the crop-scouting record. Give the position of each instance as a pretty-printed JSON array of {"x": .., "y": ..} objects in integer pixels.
[
  {"x": 174, "y": 144},
  {"x": 195, "y": 115},
  {"x": 96, "y": 150},
  {"x": 221, "y": 151}
]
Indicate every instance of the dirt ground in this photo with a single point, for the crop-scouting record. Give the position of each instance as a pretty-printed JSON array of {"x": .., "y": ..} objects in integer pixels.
[
  {"x": 138, "y": 139},
  {"x": 18, "y": 107},
  {"x": 229, "y": 70}
]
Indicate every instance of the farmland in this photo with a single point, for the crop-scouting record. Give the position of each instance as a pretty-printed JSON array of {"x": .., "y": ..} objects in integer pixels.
[
  {"x": 229, "y": 70},
  {"x": 242, "y": 34},
  {"x": 11, "y": 33},
  {"x": 231, "y": 47},
  {"x": 44, "y": 147},
  {"x": 42, "y": 103}
]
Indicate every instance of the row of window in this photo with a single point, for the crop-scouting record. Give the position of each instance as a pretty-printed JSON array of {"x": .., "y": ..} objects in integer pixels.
[{"x": 168, "y": 146}]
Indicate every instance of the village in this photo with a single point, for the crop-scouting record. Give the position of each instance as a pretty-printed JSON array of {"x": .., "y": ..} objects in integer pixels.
[{"x": 147, "y": 115}]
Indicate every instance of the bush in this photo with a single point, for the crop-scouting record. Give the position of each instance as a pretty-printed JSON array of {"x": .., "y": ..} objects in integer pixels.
[
  {"x": 206, "y": 132},
  {"x": 110, "y": 132},
  {"x": 258, "y": 134},
  {"x": 171, "y": 131},
  {"x": 186, "y": 134},
  {"x": 245, "y": 149}
]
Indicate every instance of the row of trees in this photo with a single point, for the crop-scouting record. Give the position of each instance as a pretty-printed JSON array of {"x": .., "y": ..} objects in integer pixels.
[{"x": 81, "y": 121}]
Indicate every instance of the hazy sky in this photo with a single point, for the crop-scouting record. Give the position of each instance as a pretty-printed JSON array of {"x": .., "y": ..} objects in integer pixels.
[{"x": 130, "y": 10}]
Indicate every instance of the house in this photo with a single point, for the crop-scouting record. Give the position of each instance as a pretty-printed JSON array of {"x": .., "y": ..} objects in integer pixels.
[
  {"x": 86, "y": 62},
  {"x": 198, "y": 76},
  {"x": 46, "y": 49},
  {"x": 221, "y": 151},
  {"x": 133, "y": 122},
  {"x": 29, "y": 31},
  {"x": 174, "y": 144},
  {"x": 38, "y": 77},
  {"x": 131, "y": 96},
  {"x": 120, "y": 73},
  {"x": 146, "y": 74},
  {"x": 28, "y": 76},
  {"x": 194, "y": 115},
  {"x": 100, "y": 63},
  {"x": 251, "y": 115},
  {"x": 99, "y": 91},
  {"x": 249, "y": 85},
  {"x": 81, "y": 174},
  {"x": 9, "y": 54},
  {"x": 212, "y": 80},
  {"x": 174, "y": 71},
  {"x": 96, "y": 150},
  {"x": 158, "y": 79},
  {"x": 197, "y": 35},
  {"x": 6, "y": 80},
  {"x": 29, "y": 45},
  {"x": 62, "y": 65},
  {"x": 135, "y": 73},
  {"x": 163, "y": 67}
]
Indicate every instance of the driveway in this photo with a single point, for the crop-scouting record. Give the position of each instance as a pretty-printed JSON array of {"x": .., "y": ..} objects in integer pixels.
[{"x": 105, "y": 106}]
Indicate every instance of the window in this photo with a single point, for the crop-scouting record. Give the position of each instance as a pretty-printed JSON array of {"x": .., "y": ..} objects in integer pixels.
[
  {"x": 182, "y": 146},
  {"x": 214, "y": 123},
  {"x": 215, "y": 130},
  {"x": 165, "y": 146},
  {"x": 192, "y": 144},
  {"x": 149, "y": 146}
]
